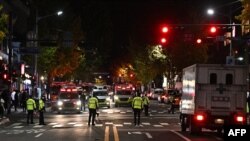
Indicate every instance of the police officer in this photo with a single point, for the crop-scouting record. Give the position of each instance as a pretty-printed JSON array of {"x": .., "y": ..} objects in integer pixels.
[
  {"x": 137, "y": 105},
  {"x": 31, "y": 106},
  {"x": 146, "y": 104},
  {"x": 93, "y": 105},
  {"x": 41, "y": 111}
]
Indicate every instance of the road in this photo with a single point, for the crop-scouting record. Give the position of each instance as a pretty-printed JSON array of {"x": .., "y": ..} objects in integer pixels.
[{"x": 114, "y": 124}]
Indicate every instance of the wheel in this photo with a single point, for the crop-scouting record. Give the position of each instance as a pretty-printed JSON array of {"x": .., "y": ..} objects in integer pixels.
[
  {"x": 219, "y": 131},
  {"x": 193, "y": 128},
  {"x": 183, "y": 123}
]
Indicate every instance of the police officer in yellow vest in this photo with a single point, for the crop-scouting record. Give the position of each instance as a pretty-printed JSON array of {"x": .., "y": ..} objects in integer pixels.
[
  {"x": 31, "y": 106},
  {"x": 137, "y": 105},
  {"x": 146, "y": 104},
  {"x": 92, "y": 105},
  {"x": 41, "y": 111}
]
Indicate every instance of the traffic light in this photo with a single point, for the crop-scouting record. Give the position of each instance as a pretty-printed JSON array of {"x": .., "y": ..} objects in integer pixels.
[
  {"x": 163, "y": 34},
  {"x": 163, "y": 40},
  {"x": 212, "y": 29},
  {"x": 164, "y": 29},
  {"x": 198, "y": 41}
]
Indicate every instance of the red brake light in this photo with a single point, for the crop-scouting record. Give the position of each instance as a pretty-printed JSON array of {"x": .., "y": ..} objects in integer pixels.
[
  {"x": 199, "y": 117},
  {"x": 239, "y": 118}
]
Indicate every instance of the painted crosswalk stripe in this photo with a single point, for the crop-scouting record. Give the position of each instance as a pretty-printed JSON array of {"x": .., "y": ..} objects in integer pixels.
[
  {"x": 127, "y": 123},
  {"x": 98, "y": 125},
  {"x": 164, "y": 123},
  {"x": 145, "y": 123},
  {"x": 118, "y": 125},
  {"x": 53, "y": 123},
  {"x": 38, "y": 126},
  {"x": 18, "y": 127},
  {"x": 15, "y": 124},
  {"x": 59, "y": 125},
  {"x": 108, "y": 123},
  {"x": 78, "y": 125},
  {"x": 157, "y": 125},
  {"x": 122, "y": 112},
  {"x": 72, "y": 123}
]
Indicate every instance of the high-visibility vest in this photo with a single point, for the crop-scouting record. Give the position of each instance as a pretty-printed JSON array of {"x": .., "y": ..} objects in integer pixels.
[
  {"x": 31, "y": 104},
  {"x": 145, "y": 100},
  {"x": 93, "y": 103},
  {"x": 137, "y": 103},
  {"x": 41, "y": 104}
]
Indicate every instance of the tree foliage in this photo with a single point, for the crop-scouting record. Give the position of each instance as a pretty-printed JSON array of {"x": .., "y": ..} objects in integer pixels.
[
  {"x": 3, "y": 23},
  {"x": 244, "y": 17}
]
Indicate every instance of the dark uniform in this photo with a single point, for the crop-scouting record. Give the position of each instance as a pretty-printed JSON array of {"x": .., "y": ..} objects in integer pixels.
[
  {"x": 31, "y": 106},
  {"x": 137, "y": 105},
  {"x": 93, "y": 105}
]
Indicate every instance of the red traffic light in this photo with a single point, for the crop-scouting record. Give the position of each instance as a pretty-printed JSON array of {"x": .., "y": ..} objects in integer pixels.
[
  {"x": 198, "y": 41},
  {"x": 212, "y": 29},
  {"x": 164, "y": 29},
  {"x": 163, "y": 40}
]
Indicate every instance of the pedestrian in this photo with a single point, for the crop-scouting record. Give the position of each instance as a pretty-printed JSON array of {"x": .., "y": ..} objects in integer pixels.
[
  {"x": 137, "y": 105},
  {"x": 248, "y": 102},
  {"x": 172, "y": 106},
  {"x": 146, "y": 104},
  {"x": 93, "y": 106},
  {"x": 41, "y": 111},
  {"x": 31, "y": 106},
  {"x": 23, "y": 100},
  {"x": 16, "y": 100},
  {"x": 1, "y": 106}
]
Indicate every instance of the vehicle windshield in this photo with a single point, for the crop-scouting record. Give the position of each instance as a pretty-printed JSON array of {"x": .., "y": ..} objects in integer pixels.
[
  {"x": 100, "y": 93},
  {"x": 123, "y": 93},
  {"x": 69, "y": 95}
]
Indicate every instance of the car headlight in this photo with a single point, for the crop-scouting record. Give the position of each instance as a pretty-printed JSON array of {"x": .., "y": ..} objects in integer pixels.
[
  {"x": 116, "y": 97},
  {"x": 59, "y": 103},
  {"x": 78, "y": 103},
  {"x": 108, "y": 99}
]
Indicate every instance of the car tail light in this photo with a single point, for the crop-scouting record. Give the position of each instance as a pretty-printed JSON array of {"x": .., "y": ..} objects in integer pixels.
[
  {"x": 239, "y": 118},
  {"x": 199, "y": 117}
]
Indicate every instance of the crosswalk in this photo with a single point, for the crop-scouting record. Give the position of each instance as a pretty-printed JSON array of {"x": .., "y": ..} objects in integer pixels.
[{"x": 84, "y": 124}]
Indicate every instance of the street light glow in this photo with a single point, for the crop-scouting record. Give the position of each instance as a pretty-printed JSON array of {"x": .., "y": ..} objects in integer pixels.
[
  {"x": 59, "y": 13},
  {"x": 210, "y": 11}
]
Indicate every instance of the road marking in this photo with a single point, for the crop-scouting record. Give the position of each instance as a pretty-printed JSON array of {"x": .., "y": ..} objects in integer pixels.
[
  {"x": 98, "y": 125},
  {"x": 118, "y": 125},
  {"x": 157, "y": 125},
  {"x": 38, "y": 126},
  {"x": 15, "y": 124},
  {"x": 18, "y": 127},
  {"x": 59, "y": 125},
  {"x": 116, "y": 136},
  {"x": 164, "y": 123},
  {"x": 106, "y": 138},
  {"x": 53, "y": 123},
  {"x": 180, "y": 135},
  {"x": 145, "y": 123},
  {"x": 148, "y": 135},
  {"x": 38, "y": 135},
  {"x": 78, "y": 125},
  {"x": 72, "y": 123},
  {"x": 127, "y": 123},
  {"x": 108, "y": 123}
]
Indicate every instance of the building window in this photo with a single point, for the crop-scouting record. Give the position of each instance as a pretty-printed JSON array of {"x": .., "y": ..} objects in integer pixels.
[
  {"x": 213, "y": 78},
  {"x": 229, "y": 79}
]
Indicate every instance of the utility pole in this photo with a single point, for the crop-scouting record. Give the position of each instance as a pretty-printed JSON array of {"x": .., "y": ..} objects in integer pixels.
[{"x": 10, "y": 29}]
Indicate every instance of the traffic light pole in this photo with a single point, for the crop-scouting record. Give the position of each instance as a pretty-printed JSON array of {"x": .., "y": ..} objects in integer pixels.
[{"x": 10, "y": 29}]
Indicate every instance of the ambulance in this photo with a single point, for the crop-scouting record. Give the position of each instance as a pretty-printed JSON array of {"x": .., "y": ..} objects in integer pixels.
[
  {"x": 123, "y": 94},
  {"x": 68, "y": 100}
]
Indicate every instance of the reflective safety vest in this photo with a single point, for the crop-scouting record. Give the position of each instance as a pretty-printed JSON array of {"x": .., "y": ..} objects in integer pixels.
[
  {"x": 137, "y": 103},
  {"x": 41, "y": 105},
  {"x": 145, "y": 100},
  {"x": 93, "y": 103},
  {"x": 31, "y": 104}
]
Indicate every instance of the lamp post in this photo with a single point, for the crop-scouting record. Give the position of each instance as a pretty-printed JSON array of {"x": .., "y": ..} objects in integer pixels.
[
  {"x": 58, "y": 13},
  {"x": 211, "y": 11}
]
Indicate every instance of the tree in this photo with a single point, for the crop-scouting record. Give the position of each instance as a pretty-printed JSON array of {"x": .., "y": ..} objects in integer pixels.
[
  {"x": 3, "y": 24},
  {"x": 244, "y": 17}
]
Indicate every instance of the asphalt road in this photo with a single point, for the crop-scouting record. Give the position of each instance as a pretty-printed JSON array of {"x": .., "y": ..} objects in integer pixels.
[{"x": 114, "y": 124}]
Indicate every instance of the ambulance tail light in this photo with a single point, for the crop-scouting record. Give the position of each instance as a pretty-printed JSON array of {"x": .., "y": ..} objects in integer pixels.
[
  {"x": 239, "y": 119},
  {"x": 199, "y": 117}
]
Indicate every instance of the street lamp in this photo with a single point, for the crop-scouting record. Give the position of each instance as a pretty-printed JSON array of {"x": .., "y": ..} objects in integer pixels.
[
  {"x": 58, "y": 13},
  {"x": 211, "y": 11}
]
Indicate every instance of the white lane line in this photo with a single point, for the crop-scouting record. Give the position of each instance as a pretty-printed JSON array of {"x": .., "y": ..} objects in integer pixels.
[
  {"x": 118, "y": 125},
  {"x": 164, "y": 123},
  {"x": 180, "y": 135},
  {"x": 98, "y": 125},
  {"x": 148, "y": 135},
  {"x": 108, "y": 123},
  {"x": 145, "y": 123},
  {"x": 127, "y": 123},
  {"x": 157, "y": 125},
  {"x": 38, "y": 135}
]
